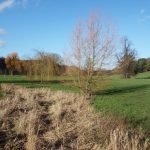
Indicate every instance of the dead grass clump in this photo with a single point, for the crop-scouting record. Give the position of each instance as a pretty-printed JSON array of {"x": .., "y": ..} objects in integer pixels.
[
  {"x": 127, "y": 140},
  {"x": 36, "y": 119}
]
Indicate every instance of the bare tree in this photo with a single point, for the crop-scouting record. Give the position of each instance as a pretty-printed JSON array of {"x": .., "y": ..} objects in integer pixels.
[
  {"x": 92, "y": 46},
  {"x": 44, "y": 66},
  {"x": 126, "y": 59}
]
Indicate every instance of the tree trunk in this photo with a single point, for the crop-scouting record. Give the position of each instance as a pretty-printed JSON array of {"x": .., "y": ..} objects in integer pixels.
[{"x": 11, "y": 72}]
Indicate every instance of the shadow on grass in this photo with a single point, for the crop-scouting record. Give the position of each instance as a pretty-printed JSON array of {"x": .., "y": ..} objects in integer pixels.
[
  {"x": 144, "y": 78},
  {"x": 122, "y": 90},
  {"x": 35, "y": 81},
  {"x": 65, "y": 85}
]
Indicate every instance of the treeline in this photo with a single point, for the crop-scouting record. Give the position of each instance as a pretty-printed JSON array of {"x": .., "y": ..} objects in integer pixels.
[
  {"x": 129, "y": 66},
  {"x": 11, "y": 65},
  {"x": 43, "y": 66},
  {"x": 142, "y": 65}
]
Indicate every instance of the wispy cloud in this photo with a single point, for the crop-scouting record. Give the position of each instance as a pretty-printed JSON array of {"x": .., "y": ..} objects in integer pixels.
[
  {"x": 22, "y": 2},
  {"x": 6, "y": 4},
  {"x": 38, "y": 2},
  {"x": 142, "y": 11},
  {"x": 144, "y": 18},
  {"x": 3, "y": 31},
  {"x": 25, "y": 3},
  {"x": 2, "y": 43}
]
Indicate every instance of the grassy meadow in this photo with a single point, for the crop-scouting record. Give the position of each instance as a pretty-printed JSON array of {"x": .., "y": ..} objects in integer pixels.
[
  {"x": 128, "y": 99},
  {"x": 57, "y": 83}
]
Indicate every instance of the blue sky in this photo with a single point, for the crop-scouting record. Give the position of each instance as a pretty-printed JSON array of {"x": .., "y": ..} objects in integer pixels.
[{"x": 47, "y": 25}]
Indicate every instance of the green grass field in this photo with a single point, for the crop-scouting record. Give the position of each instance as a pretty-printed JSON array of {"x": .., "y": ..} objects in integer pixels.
[
  {"x": 57, "y": 83},
  {"x": 128, "y": 99}
]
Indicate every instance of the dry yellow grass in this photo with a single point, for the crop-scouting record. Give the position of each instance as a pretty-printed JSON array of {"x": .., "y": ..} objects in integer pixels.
[{"x": 39, "y": 119}]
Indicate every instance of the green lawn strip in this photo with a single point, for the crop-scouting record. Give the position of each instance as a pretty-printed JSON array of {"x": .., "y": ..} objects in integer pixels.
[{"x": 57, "y": 83}]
